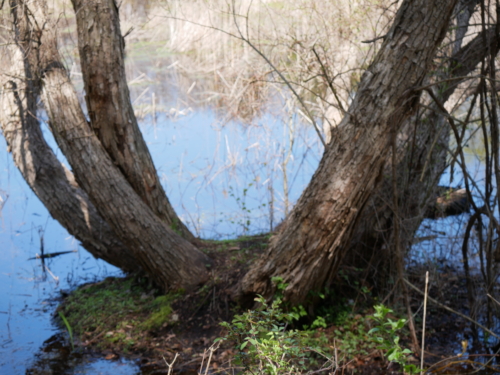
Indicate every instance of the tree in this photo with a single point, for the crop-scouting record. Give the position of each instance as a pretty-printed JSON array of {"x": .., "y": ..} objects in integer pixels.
[
  {"x": 50, "y": 180},
  {"x": 423, "y": 148},
  {"x": 168, "y": 258},
  {"x": 308, "y": 250},
  {"x": 112, "y": 165},
  {"x": 112, "y": 118}
]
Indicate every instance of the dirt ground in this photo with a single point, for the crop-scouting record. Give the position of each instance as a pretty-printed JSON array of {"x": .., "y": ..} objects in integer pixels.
[{"x": 190, "y": 323}]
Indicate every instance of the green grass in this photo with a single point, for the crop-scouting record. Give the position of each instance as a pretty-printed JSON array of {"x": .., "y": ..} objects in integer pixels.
[{"x": 116, "y": 312}]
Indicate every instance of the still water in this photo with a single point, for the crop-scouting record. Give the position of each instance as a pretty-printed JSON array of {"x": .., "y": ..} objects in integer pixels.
[
  {"x": 223, "y": 179},
  {"x": 28, "y": 294}
]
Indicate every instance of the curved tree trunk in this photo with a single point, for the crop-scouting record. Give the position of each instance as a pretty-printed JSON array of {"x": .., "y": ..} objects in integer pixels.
[
  {"x": 112, "y": 118},
  {"x": 169, "y": 259},
  {"x": 311, "y": 244},
  {"x": 53, "y": 184}
]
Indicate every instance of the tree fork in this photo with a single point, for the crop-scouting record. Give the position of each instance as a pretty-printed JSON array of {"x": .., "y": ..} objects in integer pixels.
[
  {"x": 166, "y": 257},
  {"x": 422, "y": 154},
  {"x": 49, "y": 179}
]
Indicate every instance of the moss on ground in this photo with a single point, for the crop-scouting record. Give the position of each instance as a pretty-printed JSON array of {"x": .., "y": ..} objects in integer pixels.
[
  {"x": 127, "y": 315},
  {"x": 117, "y": 313}
]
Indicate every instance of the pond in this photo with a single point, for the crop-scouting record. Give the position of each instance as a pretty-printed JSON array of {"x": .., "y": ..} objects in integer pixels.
[
  {"x": 224, "y": 180},
  {"x": 30, "y": 292}
]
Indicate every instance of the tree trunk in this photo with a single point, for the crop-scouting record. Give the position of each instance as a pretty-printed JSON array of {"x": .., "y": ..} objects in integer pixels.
[
  {"x": 307, "y": 251},
  {"x": 169, "y": 259},
  {"x": 422, "y": 162},
  {"x": 112, "y": 118},
  {"x": 53, "y": 184}
]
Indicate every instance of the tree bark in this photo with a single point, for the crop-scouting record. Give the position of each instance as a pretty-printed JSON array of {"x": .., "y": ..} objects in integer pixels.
[
  {"x": 309, "y": 248},
  {"x": 423, "y": 155},
  {"x": 112, "y": 118},
  {"x": 169, "y": 259},
  {"x": 52, "y": 183}
]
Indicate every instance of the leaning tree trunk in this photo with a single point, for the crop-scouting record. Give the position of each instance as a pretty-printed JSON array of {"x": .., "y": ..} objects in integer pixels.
[
  {"x": 421, "y": 163},
  {"x": 50, "y": 180},
  {"x": 112, "y": 118},
  {"x": 308, "y": 249},
  {"x": 169, "y": 259}
]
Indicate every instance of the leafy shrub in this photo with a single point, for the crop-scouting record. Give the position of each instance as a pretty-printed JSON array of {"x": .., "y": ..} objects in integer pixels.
[
  {"x": 385, "y": 335},
  {"x": 263, "y": 343}
]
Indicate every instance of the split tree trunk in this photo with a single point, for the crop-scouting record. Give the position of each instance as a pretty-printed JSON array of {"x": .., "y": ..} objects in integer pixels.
[
  {"x": 169, "y": 259},
  {"x": 52, "y": 183},
  {"x": 310, "y": 246},
  {"x": 112, "y": 118},
  {"x": 50, "y": 180}
]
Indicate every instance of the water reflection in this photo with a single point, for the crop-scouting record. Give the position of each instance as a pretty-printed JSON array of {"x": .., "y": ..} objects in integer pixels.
[
  {"x": 57, "y": 358},
  {"x": 223, "y": 178},
  {"x": 229, "y": 180}
]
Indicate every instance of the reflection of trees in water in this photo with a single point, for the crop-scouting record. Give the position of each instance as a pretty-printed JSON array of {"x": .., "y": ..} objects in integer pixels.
[
  {"x": 55, "y": 357},
  {"x": 228, "y": 75}
]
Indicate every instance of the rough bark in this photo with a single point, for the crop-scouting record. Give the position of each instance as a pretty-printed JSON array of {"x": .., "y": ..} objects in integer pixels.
[
  {"x": 422, "y": 161},
  {"x": 169, "y": 259},
  {"x": 112, "y": 118},
  {"x": 53, "y": 184},
  {"x": 307, "y": 251}
]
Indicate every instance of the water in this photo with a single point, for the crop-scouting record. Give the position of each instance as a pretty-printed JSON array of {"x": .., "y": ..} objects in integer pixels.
[
  {"x": 228, "y": 180},
  {"x": 29, "y": 292},
  {"x": 224, "y": 180}
]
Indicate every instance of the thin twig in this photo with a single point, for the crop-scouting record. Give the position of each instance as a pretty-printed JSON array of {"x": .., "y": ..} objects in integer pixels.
[
  {"x": 489, "y": 295},
  {"x": 211, "y": 351},
  {"x": 330, "y": 82},
  {"x": 170, "y": 365},
  {"x": 374, "y": 40},
  {"x": 266, "y": 59},
  {"x": 423, "y": 323}
]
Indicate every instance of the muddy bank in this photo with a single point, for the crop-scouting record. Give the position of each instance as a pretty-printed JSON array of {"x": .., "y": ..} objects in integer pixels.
[{"x": 129, "y": 318}]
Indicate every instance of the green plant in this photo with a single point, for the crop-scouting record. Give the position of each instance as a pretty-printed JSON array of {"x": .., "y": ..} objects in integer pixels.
[
  {"x": 68, "y": 327},
  {"x": 118, "y": 311},
  {"x": 385, "y": 335},
  {"x": 176, "y": 227},
  {"x": 244, "y": 219},
  {"x": 263, "y": 342},
  {"x": 244, "y": 222},
  {"x": 160, "y": 312}
]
